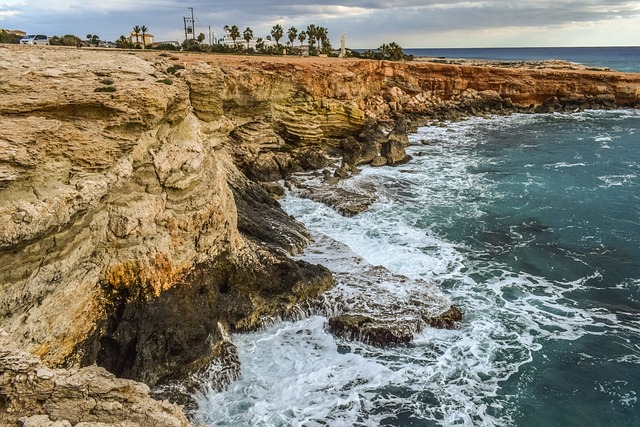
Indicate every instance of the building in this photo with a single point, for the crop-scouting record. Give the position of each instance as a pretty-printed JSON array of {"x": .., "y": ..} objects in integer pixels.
[
  {"x": 133, "y": 39},
  {"x": 241, "y": 42}
]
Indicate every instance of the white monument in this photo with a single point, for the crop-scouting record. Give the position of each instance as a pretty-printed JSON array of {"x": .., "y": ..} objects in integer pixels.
[{"x": 343, "y": 43}]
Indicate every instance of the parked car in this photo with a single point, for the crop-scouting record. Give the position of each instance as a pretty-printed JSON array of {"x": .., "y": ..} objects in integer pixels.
[{"x": 35, "y": 39}]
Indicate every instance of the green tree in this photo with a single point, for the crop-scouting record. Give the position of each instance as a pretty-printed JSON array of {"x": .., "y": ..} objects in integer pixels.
[
  {"x": 302, "y": 37},
  {"x": 277, "y": 32},
  {"x": 312, "y": 33},
  {"x": 10, "y": 38},
  {"x": 322, "y": 35},
  {"x": 123, "y": 43},
  {"x": 136, "y": 32},
  {"x": 260, "y": 46},
  {"x": 292, "y": 33},
  {"x": 93, "y": 39},
  {"x": 201, "y": 37},
  {"x": 247, "y": 35},
  {"x": 234, "y": 33},
  {"x": 144, "y": 30},
  {"x": 66, "y": 40}
]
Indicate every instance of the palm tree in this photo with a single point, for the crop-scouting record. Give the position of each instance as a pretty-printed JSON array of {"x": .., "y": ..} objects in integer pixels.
[
  {"x": 277, "y": 32},
  {"x": 292, "y": 33},
  {"x": 234, "y": 33},
  {"x": 322, "y": 35},
  {"x": 302, "y": 37},
  {"x": 260, "y": 47},
  {"x": 136, "y": 31},
  {"x": 144, "y": 30},
  {"x": 247, "y": 35},
  {"x": 395, "y": 52},
  {"x": 312, "y": 32}
]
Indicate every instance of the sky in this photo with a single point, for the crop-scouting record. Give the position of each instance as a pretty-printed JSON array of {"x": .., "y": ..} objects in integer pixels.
[{"x": 366, "y": 23}]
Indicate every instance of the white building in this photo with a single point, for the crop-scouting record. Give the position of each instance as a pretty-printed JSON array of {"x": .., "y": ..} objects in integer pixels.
[{"x": 241, "y": 42}]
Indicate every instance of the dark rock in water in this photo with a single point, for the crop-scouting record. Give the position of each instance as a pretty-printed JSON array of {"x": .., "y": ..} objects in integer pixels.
[
  {"x": 379, "y": 333},
  {"x": 273, "y": 189},
  {"x": 346, "y": 201},
  {"x": 400, "y": 132},
  {"x": 342, "y": 172},
  {"x": 446, "y": 320},
  {"x": 379, "y": 161},
  {"x": 534, "y": 225},
  {"x": 374, "y": 134},
  {"x": 331, "y": 180},
  {"x": 359, "y": 151},
  {"x": 394, "y": 152},
  {"x": 373, "y": 305},
  {"x": 394, "y": 148},
  {"x": 365, "y": 329},
  {"x": 223, "y": 369}
]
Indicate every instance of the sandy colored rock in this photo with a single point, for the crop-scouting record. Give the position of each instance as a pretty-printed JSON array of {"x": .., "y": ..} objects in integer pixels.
[{"x": 34, "y": 395}]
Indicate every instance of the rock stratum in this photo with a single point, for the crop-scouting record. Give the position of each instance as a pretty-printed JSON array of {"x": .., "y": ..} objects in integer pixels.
[{"x": 138, "y": 224}]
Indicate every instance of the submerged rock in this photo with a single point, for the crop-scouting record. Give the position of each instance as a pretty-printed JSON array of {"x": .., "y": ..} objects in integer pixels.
[
  {"x": 348, "y": 201},
  {"x": 373, "y": 305}
]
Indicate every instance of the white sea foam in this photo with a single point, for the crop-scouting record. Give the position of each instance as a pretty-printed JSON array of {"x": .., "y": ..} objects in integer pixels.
[{"x": 617, "y": 180}]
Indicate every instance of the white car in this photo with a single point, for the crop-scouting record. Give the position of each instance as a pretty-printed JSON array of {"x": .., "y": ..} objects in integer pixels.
[{"x": 35, "y": 39}]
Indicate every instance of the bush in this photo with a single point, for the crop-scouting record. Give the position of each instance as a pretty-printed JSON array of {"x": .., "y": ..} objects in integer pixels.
[
  {"x": 10, "y": 38},
  {"x": 105, "y": 89},
  {"x": 166, "y": 46},
  {"x": 174, "y": 68}
]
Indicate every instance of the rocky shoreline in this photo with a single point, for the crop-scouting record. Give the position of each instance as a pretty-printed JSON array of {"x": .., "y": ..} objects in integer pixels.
[{"x": 140, "y": 222}]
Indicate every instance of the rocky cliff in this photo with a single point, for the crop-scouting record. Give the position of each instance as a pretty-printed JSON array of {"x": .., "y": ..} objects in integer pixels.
[{"x": 133, "y": 212}]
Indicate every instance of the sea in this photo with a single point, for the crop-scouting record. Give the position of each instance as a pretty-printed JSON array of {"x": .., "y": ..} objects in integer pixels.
[
  {"x": 623, "y": 58},
  {"x": 530, "y": 224}
]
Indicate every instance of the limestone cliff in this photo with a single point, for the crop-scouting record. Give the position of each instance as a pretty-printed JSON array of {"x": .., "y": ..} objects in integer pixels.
[{"x": 132, "y": 215}]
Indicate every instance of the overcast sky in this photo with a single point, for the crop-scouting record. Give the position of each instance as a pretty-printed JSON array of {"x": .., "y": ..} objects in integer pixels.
[{"x": 366, "y": 23}]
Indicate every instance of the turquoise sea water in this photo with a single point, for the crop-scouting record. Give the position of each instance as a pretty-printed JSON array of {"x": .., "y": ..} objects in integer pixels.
[
  {"x": 531, "y": 225},
  {"x": 626, "y": 58}
]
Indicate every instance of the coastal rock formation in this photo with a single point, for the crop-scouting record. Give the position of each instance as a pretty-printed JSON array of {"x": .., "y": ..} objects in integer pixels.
[
  {"x": 38, "y": 396},
  {"x": 133, "y": 211},
  {"x": 127, "y": 231},
  {"x": 371, "y": 304}
]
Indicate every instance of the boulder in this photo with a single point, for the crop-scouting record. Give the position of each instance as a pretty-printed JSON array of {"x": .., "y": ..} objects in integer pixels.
[{"x": 35, "y": 395}]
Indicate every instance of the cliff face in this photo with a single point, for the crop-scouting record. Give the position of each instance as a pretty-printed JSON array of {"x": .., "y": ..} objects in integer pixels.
[
  {"x": 127, "y": 232},
  {"x": 132, "y": 219}
]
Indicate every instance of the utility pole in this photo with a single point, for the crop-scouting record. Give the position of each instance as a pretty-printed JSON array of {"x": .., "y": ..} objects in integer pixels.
[
  {"x": 189, "y": 26},
  {"x": 193, "y": 23}
]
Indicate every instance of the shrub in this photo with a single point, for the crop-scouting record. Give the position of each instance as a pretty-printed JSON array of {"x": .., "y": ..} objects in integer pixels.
[{"x": 174, "y": 68}]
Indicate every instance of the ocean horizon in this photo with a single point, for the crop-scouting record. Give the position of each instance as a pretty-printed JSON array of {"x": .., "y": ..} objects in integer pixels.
[{"x": 619, "y": 58}]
